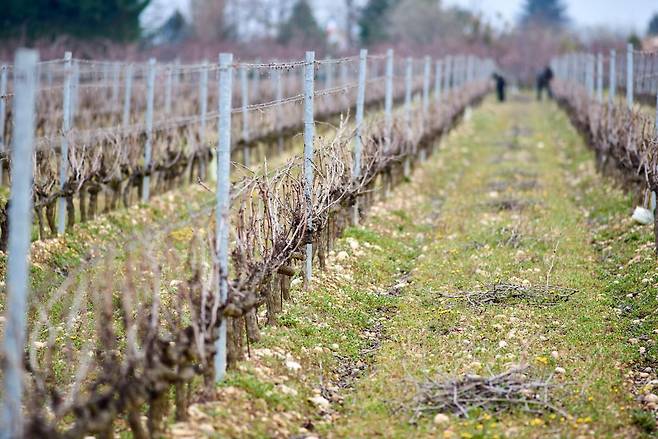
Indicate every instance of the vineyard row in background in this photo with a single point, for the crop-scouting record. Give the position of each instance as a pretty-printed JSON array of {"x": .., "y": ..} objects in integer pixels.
[
  {"x": 94, "y": 153},
  {"x": 624, "y": 136}
]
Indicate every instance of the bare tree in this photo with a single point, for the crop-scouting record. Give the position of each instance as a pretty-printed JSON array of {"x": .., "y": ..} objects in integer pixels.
[
  {"x": 208, "y": 19},
  {"x": 350, "y": 20}
]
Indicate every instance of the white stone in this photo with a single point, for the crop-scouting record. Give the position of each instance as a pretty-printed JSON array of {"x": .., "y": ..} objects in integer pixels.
[
  {"x": 319, "y": 402},
  {"x": 441, "y": 419}
]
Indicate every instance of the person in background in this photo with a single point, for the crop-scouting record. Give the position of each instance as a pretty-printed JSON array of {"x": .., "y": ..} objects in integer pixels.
[
  {"x": 544, "y": 79},
  {"x": 500, "y": 86}
]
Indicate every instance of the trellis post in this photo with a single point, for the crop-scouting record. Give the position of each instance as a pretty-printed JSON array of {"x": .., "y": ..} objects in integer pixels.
[
  {"x": 278, "y": 95},
  {"x": 222, "y": 198},
  {"x": 388, "y": 99},
  {"x": 3, "y": 113},
  {"x": 360, "y": 103},
  {"x": 116, "y": 73},
  {"x": 244, "y": 80},
  {"x": 203, "y": 110},
  {"x": 127, "y": 98},
  {"x": 150, "y": 86},
  {"x": 629, "y": 76},
  {"x": 168, "y": 86},
  {"x": 20, "y": 225},
  {"x": 407, "y": 110},
  {"x": 612, "y": 85},
  {"x": 309, "y": 135},
  {"x": 599, "y": 77},
  {"x": 64, "y": 153},
  {"x": 437, "y": 83}
]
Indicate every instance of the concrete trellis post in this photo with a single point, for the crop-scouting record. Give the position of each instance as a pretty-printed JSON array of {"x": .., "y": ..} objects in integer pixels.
[
  {"x": 278, "y": 95},
  {"x": 168, "y": 85},
  {"x": 20, "y": 225},
  {"x": 150, "y": 88},
  {"x": 203, "y": 111},
  {"x": 426, "y": 87},
  {"x": 75, "y": 98},
  {"x": 309, "y": 135},
  {"x": 343, "y": 73},
  {"x": 388, "y": 99},
  {"x": 407, "y": 108},
  {"x": 127, "y": 98},
  {"x": 3, "y": 112},
  {"x": 360, "y": 103},
  {"x": 612, "y": 84},
  {"x": 599, "y": 77},
  {"x": 590, "y": 74},
  {"x": 447, "y": 74},
  {"x": 64, "y": 153},
  {"x": 329, "y": 71},
  {"x": 653, "y": 193},
  {"x": 438, "y": 80},
  {"x": 223, "y": 200},
  {"x": 470, "y": 70},
  {"x": 175, "y": 77},
  {"x": 116, "y": 76},
  {"x": 203, "y": 101},
  {"x": 629, "y": 76},
  {"x": 329, "y": 78},
  {"x": 256, "y": 84},
  {"x": 427, "y": 72},
  {"x": 244, "y": 80}
]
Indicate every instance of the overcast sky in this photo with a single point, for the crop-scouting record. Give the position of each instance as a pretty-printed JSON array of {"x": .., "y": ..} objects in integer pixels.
[{"x": 616, "y": 14}]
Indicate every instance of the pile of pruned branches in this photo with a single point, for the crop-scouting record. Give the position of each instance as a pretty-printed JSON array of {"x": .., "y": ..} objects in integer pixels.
[{"x": 513, "y": 389}]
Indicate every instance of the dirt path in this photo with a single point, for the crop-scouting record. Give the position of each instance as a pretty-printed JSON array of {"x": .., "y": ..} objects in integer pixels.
[{"x": 504, "y": 251}]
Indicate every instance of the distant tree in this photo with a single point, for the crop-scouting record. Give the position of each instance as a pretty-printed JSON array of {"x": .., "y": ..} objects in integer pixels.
[
  {"x": 374, "y": 22},
  {"x": 653, "y": 25},
  {"x": 544, "y": 13},
  {"x": 301, "y": 26},
  {"x": 424, "y": 21},
  {"x": 635, "y": 41},
  {"x": 114, "y": 19},
  {"x": 174, "y": 30},
  {"x": 208, "y": 19}
]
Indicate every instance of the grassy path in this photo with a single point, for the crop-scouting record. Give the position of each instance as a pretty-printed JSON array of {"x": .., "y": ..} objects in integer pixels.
[
  {"x": 510, "y": 218},
  {"x": 511, "y": 196}
]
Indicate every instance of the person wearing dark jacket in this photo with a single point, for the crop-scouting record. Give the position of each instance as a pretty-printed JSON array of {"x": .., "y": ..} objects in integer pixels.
[
  {"x": 544, "y": 79},
  {"x": 500, "y": 86}
]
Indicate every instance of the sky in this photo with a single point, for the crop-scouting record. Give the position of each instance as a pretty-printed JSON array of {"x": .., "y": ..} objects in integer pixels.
[
  {"x": 615, "y": 14},
  {"x": 621, "y": 15}
]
